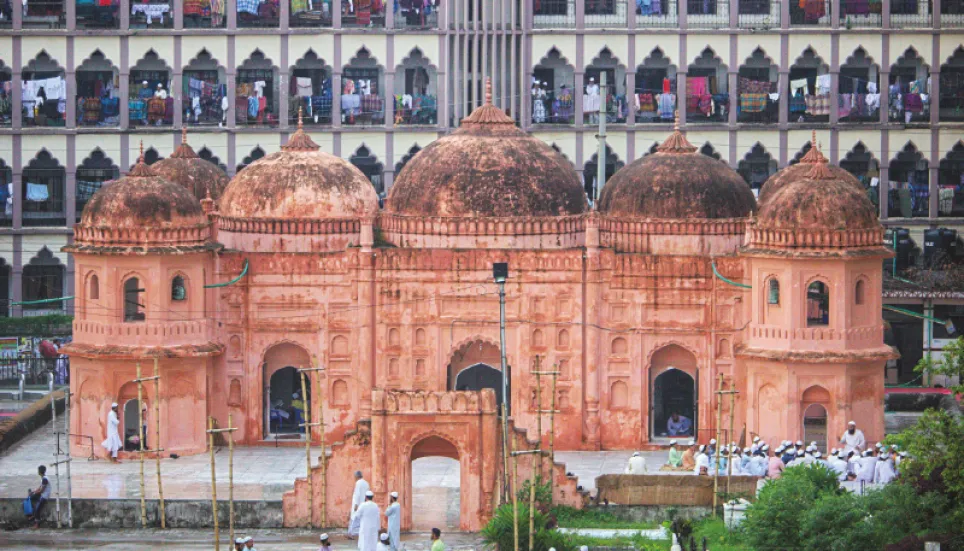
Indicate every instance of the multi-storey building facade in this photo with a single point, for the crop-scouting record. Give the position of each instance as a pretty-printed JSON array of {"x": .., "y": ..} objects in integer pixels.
[{"x": 379, "y": 80}]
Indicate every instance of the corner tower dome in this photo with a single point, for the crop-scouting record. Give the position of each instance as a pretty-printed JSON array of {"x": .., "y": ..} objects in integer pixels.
[
  {"x": 677, "y": 182},
  {"x": 488, "y": 167},
  {"x": 800, "y": 170},
  {"x": 184, "y": 167},
  {"x": 299, "y": 183}
]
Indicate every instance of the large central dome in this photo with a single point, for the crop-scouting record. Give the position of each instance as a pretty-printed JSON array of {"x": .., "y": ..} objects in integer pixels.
[
  {"x": 488, "y": 167},
  {"x": 677, "y": 182}
]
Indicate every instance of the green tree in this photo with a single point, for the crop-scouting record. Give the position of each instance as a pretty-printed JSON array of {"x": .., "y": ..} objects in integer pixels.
[
  {"x": 774, "y": 520},
  {"x": 935, "y": 446},
  {"x": 950, "y": 363}
]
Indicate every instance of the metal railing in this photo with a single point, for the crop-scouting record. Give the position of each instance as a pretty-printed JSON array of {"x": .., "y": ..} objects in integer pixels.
[
  {"x": 952, "y": 14},
  {"x": 309, "y": 15},
  {"x": 860, "y": 14},
  {"x": 812, "y": 13},
  {"x": 910, "y": 14},
  {"x": 416, "y": 19},
  {"x": 553, "y": 14},
  {"x": 657, "y": 14},
  {"x": 708, "y": 14},
  {"x": 34, "y": 370},
  {"x": 41, "y": 14},
  {"x": 602, "y": 14},
  {"x": 365, "y": 14},
  {"x": 758, "y": 14},
  {"x": 92, "y": 15}
]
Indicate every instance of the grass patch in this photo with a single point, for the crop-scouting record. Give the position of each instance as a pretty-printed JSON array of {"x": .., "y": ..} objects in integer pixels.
[
  {"x": 567, "y": 517},
  {"x": 636, "y": 542},
  {"x": 718, "y": 538}
]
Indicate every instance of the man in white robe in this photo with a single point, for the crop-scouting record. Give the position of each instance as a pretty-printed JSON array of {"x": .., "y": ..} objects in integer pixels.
[
  {"x": 853, "y": 439},
  {"x": 868, "y": 464},
  {"x": 393, "y": 514},
  {"x": 884, "y": 472},
  {"x": 366, "y": 524},
  {"x": 357, "y": 498},
  {"x": 637, "y": 464},
  {"x": 383, "y": 544},
  {"x": 113, "y": 444}
]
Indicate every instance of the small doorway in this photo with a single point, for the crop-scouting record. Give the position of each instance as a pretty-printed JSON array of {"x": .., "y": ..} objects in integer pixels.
[
  {"x": 286, "y": 405},
  {"x": 815, "y": 426},
  {"x": 436, "y": 485},
  {"x": 674, "y": 393},
  {"x": 131, "y": 432}
]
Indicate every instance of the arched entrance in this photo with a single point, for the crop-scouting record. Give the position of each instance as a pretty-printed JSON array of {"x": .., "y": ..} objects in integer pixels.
[
  {"x": 815, "y": 426},
  {"x": 673, "y": 390},
  {"x": 479, "y": 376},
  {"x": 283, "y": 403},
  {"x": 130, "y": 425},
  {"x": 436, "y": 485}
]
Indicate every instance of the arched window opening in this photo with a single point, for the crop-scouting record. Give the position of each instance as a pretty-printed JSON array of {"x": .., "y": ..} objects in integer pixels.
[
  {"x": 44, "y": 192},
  {"x": 818, "y": 304},
  {"x": 44, "y": 88},
  {"x": 258, "y": 14},
  {"x": 809, "y": 89},
  {"x": 43, "y": 279},
  {"x": 91, "y": 175},
  {"x": 368, "y": 163},
  {"x": 362, "y": 100},
  {"x": 909, "y": 79},
  {"x": 6, "y": 192},
  {"x": 133, "y": 300},
  {"x": 405, "y": 159},
  {"x": 93, "y": 289},
  {"x": 773, "y": 291},
  {"x": 757, "y": 79},
  {"x": 97, "y": 15},
  {"x": 204, "y": 14},
  {"x": 6, "y": 95},
  {"x": 256, "y": 94},
  {"x": 149, "y": 84},
  {"x": 178, "y": 289},
  {"x": 655, "y": 89},
  {"x": 909, "y": 193},
  {"x": 860, "y": 162},
  {"x": 950, "y": 200},
  {"x": 707, "y": 99},
  {"x": 204, "y": 91},
  {"x": 591, "y": 175},
  {"x": 617, "y": 109},
  {"x": 310, "y": 90},
  {"x": 98, "y": 103},
  {"x": 952, "y": 87},
  {"x": 858, "y": 87},
  {"x": 256, "y": 153},
  {"x": 415, "y": 95},
  {"x": 757, "y": 167},
  {"x": 552, "y": 90},
  {"x": 859, "y": 292},
  {"x": 210, "y": 157}
]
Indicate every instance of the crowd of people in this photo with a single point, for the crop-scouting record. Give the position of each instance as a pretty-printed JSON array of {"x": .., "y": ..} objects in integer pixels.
[{"x": 854, "y": 461}]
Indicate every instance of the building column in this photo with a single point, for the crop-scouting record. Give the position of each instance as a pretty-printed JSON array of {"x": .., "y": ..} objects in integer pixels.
[
  {"x": 885, "y": 14},
  {"x": 834, "y": 100},
  {"x": 71, "y": 112},
  {"x": 284, "y": 15},
  {"x": 884, "y": 173},
  {"x": 178, "y": 7},
  {"x": 231, "y": 14},
  {"x": 884, "y": 96},
  {"x": 16, "y": 276},
  {"x": 16, "y": 17},
  {"x": 284, "y": 84},
  {"x": 630, "y": 95},
  {"x": 125, "y": 14},
  {"x": 580, "y": 91},
  {"x": 734, "y": 93},
  {"x": 389, "y": 94},
  {"x": 784, "y": 96},
  {"x": 441, "y": 82},
  {"x": 336, "y": 14},
  {"x": 70, "y": 182},
  {"x": 177, "y": 85},
  {"x": 935, "y": 95},
  {"x": 933, "y": 176},
  {"x": 16, "y": 119},
  {"x": 230, "y": 68},
  {"x": 71, "y": 14},
  {"x": 16, "y": 169},
  {"x": 681, "y": 90}
]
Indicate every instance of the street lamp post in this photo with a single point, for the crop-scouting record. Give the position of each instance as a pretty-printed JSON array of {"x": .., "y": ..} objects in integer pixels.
[{"x": 500, "y": 272}]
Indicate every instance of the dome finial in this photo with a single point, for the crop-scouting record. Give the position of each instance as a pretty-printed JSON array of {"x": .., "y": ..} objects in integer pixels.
[
  {"x": 813, "y": 154},
  {"x": 676, "y": 143},
  {"x": 488, "y": 90},
  {"x": 301, "y": 122},
  {"x": 300, "y": 141},
  {"x": 140, "y": 169},
  {"x": 140, "y": 158},
  {"x": 183, "y": 135}
]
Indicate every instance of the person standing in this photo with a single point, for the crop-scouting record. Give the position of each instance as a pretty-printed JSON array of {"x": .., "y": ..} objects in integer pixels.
[
  {"x": 357, "y": 498},
  {"x": 393, "y": 516},
  {"x": 366, "y": 523},
  {"x": 437, "y": 544},
  {"x": 249, "y": 543},
  {"x": 113, "y": 443},
  {"x": 853, "y": 439}
]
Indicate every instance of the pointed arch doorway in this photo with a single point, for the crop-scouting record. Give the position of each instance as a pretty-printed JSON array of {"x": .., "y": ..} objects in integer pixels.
[
  {"x": 673, "y": 391},
  {"x": 475, "y": 365},
  {"x": 282, "y": 391}
]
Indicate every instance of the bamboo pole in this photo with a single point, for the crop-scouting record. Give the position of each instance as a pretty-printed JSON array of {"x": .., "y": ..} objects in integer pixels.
[
  {"x": 230, "y": 481},
  {"x": 140, "y": 432},
  {"x": 729, "y": 464},
  {"x": 53, "y": 417},
  {"x": 214, "y": 486},
  {"x": 323, "y": 459},
  {"x": 539, "y": 407},
  {"x": 70, "y": 493},
  {"x": 157, "y": 443},
  {"x": 311, "y": 483},
  {"x": 515, "y": 496},
  {"x": 719, "y": 420},
  {"x": 552, "y": 432},
  {"x": 532, "y": 504}
]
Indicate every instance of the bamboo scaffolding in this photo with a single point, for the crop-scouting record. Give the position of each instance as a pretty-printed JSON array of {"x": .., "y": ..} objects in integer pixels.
[
  {"x": 532, "y": 494},
  {"x": 515, "y": 496},
  {"x": 53, "y": 416},
  {"x": 230, "y": 481},
  {"x": 141, "y": 450},
  {"x": 552, "y": 423},
  {"x": 157, "y": 443},
  {"x": 719, "y": 421},
  {"x": 140, "y": 432},
  {"x": 308, "y": 424},
  {"x": 214, "y": 479}
]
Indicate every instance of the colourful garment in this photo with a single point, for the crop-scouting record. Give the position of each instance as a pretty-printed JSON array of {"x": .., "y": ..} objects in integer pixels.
[
  {"x": 817, "y": 105},
  {"x": 753, "y": 103}
]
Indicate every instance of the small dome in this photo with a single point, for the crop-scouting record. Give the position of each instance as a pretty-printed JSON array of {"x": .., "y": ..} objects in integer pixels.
[
  {"x": 488, "y": 167},
  {"x": 677, "y": 182},
  {"x": 800, "y": 170},
  {"x": 818, "y": 201},
  {"x": 299, "y": 182},
  {"x": 184, "y": 167},
  {"x": 142, "y": 200}
]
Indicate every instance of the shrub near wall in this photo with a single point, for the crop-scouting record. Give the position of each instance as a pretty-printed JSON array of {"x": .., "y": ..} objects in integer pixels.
[{"x": 15, "y": 428}]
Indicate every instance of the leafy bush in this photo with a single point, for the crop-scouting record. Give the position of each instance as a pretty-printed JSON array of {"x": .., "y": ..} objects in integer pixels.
[
  {"x": 774, "y": 520},
  {"x": 499, "y": 531},
  {"x": 543, "y": 494}
]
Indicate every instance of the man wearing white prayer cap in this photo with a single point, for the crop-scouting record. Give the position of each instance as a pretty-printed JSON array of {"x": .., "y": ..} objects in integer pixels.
[
  {"x": 637, "y": 464},
  {"x": 249, "y": 543},
  {"x": 238, "y": 544},
  {"x": 383, "y": 543},
  {"x": 866, "y": 465},
  {"x": 357, "y": 498},
  {"x": 393, "y": 514},
  {"x": 366, "y": 524},
  {"x": 853, "y": 439},
  {"x": 325, "y": 542},
  {"x": 113, "y": 444}
]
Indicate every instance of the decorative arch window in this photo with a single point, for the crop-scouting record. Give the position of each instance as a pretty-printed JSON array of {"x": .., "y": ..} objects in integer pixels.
[
  {"x": 860, "y": 292},
  {"x": 43, "y": 279},
  {"x": 133, "y": 300},
  {"x": 178, "y": 289},
  {"x": 818, "y": 304},
  {"x": 93, "y": 287},
  {"x": 41, "y": 107},
  {"x": 773, "y": 291}
]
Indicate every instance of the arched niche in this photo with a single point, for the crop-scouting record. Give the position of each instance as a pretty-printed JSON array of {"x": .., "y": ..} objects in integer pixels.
[
  {"x": 362, "y": 93},
  {"x": 44, "y": 89},
  {"x": 368, "y": 163},
  {"x": 859, "y": 76},
  {"x": 706, "y": 77},
  {"x": 148, "y": 77},
  {"x": 96, "y": 169},
  {"x": 205, "y": 88},
  {"x": 809, "y": 88},
  {"x": 909, "y": 75},
  {"x": 416, "y": 95},
  {"x": 552, "y": 90},
  {"x": 44, "y": 191},
  {"x": 757, "y": 78},
  {"x": 312, "y": 91},
  {"x": 909, "y": 194},
  {"x": 591, "y": 174},
  {"x": 256, "y": 91},
  {"x": 616, "y": 107},
  {"x": 757, "y": 166},
  {"x": 655, "y": 88}
]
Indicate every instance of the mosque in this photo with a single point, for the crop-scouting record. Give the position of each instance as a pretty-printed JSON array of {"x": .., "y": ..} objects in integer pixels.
[{"x": 679, "y": 281}]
